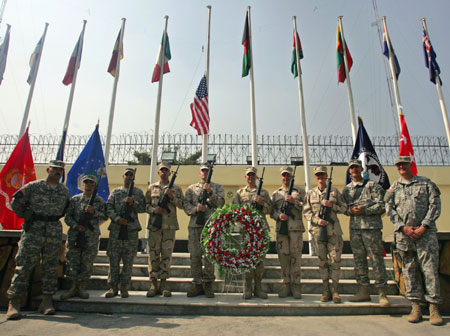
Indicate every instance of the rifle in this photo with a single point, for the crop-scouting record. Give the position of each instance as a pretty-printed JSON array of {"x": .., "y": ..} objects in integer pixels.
[
  {"x": 85, "y": 221},
  {"x": 164, "y": 202},
  {"x": 256, "y": 205},
  {"x": 286, "y": 208},
  {"x": 203, "y": 199},
  {"x": 126, "y": 211},
  {"x": 324, "y": 212}
]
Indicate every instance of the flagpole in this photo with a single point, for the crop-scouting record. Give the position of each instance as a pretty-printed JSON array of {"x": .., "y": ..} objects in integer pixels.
[
  {"x": 394, "y": 77},
  {"x": 441, "y": 96},
  {"x": 154, "y": 158},
  {"x": 30, "y": 93},
  {"x": 349, "y": 86},
  {"x": 252, "y": 96},
  {"x": 205, "y": 136},
  {"x": 113, "y": 97}
]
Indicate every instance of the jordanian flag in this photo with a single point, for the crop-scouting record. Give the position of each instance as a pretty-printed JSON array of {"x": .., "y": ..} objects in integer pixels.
[
  {"x": 246, "y": 63},
  {"x": 163, "y": 58},
  {"x": 340, "y": 57},
  {"x": 294, "y": 69}
]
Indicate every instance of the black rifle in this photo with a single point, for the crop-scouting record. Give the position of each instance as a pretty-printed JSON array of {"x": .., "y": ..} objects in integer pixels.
[
  {"x": 324, "y": 212},
  {"x": 126, "y": 211},
  {"x": 203, "y": 199},
  {"x": 286, "y": 208},
  {"x": 256, "y": 205},
  {"x": 164, "y": 202},
  {"x": 85, "y": 221}
]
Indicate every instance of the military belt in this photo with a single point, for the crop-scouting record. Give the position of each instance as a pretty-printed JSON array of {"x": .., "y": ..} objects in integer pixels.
[{"x": 43, "y": 218}]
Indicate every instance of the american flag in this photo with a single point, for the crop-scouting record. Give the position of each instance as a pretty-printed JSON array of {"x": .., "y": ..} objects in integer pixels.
[
  {"x": 430, "y": 58},
  {"x": 199, "y": 108}
]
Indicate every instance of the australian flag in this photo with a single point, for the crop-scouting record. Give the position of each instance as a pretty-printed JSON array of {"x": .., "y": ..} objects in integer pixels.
[
  {"x": 364, "y": 151},
  {"x": 91, "y": 161},
  {"x": 430, "y": 58}
]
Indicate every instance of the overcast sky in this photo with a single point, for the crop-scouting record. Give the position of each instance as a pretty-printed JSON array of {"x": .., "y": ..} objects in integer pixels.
[{"x": 277, "y": 103}]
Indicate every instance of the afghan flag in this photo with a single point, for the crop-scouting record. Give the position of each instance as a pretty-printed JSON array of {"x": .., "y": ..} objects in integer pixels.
[
  {"x": 294, "y": 69},
  {"x": 76, "y": 55},
  {"x": 340, "y": 57},
  {"x": 163, "y": 58},
  {"x": 406, "y": 148},
  {"x": 246, "y": 62},
  {"x": 113, "y": 62}
]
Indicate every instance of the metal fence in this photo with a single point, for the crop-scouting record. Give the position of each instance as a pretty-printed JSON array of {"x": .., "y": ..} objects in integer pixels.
[{"x": 234, "y": 149}]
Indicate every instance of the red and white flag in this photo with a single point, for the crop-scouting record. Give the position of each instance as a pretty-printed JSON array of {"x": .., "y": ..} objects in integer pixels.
[
  {"x": 199, "y": 109},
  {"x": 18, "y": 171},
  {"x": 406, "y": 148},
  {"x": 163, "y": 58},
  {"x": 74, "y": 59}
]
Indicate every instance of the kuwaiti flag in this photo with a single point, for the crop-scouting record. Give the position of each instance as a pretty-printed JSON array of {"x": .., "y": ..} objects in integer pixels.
[
  {"x": 392, "y": 52},
  {"x": 294, "y": 69},
  {"x": 76, "y": 54},
  {"x": 113, "y": 62},
  {"x": 163, "y": 58},
  {"x": 34, "y": 60},
  {"x": 406, "y": 148},
  {"x": 340, "y": 57}
]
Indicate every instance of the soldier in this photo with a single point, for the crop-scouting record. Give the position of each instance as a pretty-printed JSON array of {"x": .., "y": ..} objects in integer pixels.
[
  {"x": 289, "y": 246},
  {"x": 202, "y": 281},
  {"x": 248, "y": 195},
  {"x": 42, "y": 203},
  {"x": 123, "y": 246},
  {"x": 333, "y": 248},
  {"x": 162, "y": 240},
  {"x": 365, "y": 204},
  {"x": 413, "y": 205},
  {"x": 81, "y": 254}
]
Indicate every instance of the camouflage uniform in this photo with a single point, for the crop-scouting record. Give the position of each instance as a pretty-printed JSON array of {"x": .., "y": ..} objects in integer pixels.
[{"x": 124, "y": 250}]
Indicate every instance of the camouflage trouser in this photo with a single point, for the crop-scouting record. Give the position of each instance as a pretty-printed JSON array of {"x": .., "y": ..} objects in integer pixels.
[
  {"x": 160, "y": 249},
  {"x": 257, "y": 273},
  {"x": 195, "y": 250},
  {"x": 81, "y": 260},
  {"x": 118, "y": 250},
  {"x": 368, "y": 242},
  {"x": 289, "y": 248},
  {"x": 31, "y": 246},
  {"x": 333, "y": 250}
]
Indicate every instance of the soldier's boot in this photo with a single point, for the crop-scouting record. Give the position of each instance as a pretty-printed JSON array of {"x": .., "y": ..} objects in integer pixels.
[
  {"x": 285, "y": 290},
  {"x": 195, "y": 290},
  {"x": 297, "y": 291},
  {"x": 384, "y": 301},
  {"x": 208, "y": 288},
  {"x": 362, "y": 295},
  {"x": 248, "y": 288},
  {"x": 326, "y": 294},
  {"x": 435, "y": 316},
  {"x": 153, "y": 290},
  {"x": 112, "y": 291},
  {"x": 336, "y": 297},
  {"x": 46, "y": 306},
  {"x": 124, "y": 291},
  {"x": 71, "y": 293},
  {"x": 259, "y": 291},
  {"x": 416, "y": 313},
  {"x": 13, "y": 312},
  {"x": 81, "y": 290},
  {"x": 164, "y": 288}
]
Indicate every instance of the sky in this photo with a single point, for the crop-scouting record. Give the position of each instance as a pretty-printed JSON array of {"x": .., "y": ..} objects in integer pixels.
[{"x": 276, "y": 90}]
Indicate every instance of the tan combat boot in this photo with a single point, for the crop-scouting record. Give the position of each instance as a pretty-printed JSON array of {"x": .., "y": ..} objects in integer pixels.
[
  {"x": 384, "y": 301},
  {"x": 71, "y": 293},
  {"x": 259, "y": 291},
  {"x": 336, "y": 297},
  {"x": 208, "y": 288},
  {"x": 112, "y": 292},
  {"x": 196, "y": 290},
  {"x": 124, "y": 291},
  {"x": 285, "y": 290},
  {"x": 297, "y": 291},
  {"x": 13, "y": 312},
  {"x": 416, "y": 313},
  {"x": 248, "y": 288},
  {"x": 46, "y": 306},
  {"x": 326, "y": 295},
  {"x": 362, "y": 295},
  {"x": 164, "y": 288},
  {"x": 435, "y": 316},
  {"x": 81, "y": 290},
  {"x": 153, "y": 290}
]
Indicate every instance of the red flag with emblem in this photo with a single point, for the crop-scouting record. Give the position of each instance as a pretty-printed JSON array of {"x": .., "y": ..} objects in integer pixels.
[
  {"x": 406, "y": 148},
  {"x": 18, "y": 171}
]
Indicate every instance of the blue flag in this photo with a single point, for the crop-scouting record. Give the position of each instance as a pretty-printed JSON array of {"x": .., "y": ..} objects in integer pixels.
[
  {"x": 430, "y": 58},
  {"x": 91, "y": 161},
  {"x": 387, "y": 54},
  {"x": 364, "y": 151}
]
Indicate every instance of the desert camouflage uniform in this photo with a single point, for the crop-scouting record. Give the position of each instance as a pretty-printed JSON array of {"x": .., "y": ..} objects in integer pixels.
[
  {"x": 414, "y": 203},
  {"x": 365, "y": 230},
  {"x": 43, "y": 236},
  {"x": 335, "y": 243},
  {"x": 162, "y": 241},
  {"x": 289, "y": 247},
  {"x": 124, "y": 250},
  {"x": 81, "y": 260},
  {"x": 215, "y": 199}
]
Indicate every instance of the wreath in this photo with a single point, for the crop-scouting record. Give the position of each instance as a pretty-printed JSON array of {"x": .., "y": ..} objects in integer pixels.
[{"x": 235, "y": 238}]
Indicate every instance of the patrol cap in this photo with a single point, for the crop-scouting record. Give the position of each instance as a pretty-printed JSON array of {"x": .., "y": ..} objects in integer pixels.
[
  {"x": 320, "y": 170},
  {"x": 164, "y": 164},
  {"x": 402, "y": 159},
  {"x": 355, "y": 163},
  {"x": 253, "y": 170},
  {"x": 128, "y": 170},
  {"x": 89, "y": 177},
  {"x": 204, "y": 166},
  {"x": 286, "y": 169},
  {"x": 56, "y": 164}
]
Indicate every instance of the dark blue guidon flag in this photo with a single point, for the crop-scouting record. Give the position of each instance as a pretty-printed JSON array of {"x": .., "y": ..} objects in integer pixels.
[
  {"x": 91, "y": 161},
  {"x": 364, "y": 151}
]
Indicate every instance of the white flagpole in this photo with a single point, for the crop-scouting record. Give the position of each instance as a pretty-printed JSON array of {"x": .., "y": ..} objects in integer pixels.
[
  {"x": 154, "y": 158},
  {"x": 349, "y": 86},
  {"x": 394, "y": 77},
  {"x": 113, "y": 97},
  {"x": 441, "y": 96},
  {"x": 205, "y": 136},
  {"x": 252, "y": 96},
  {"x": 30, "y": 92}
]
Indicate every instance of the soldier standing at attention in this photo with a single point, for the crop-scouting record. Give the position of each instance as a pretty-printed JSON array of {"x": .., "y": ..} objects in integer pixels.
[
  {"x": 332, "y": 248},
  {"x": 248, "y": 195},
  {"x": 42, "y": 203},
  {"x": 81, "y": 258},
  {"x": 365, "y": 201},
  {"x": 413, "y": 205},
  {"x": 289, "y": 246},
  {"x": 202, "y": 280},
  {"x": 161, "y": 241},
  {"x": 123, "y": 246}
]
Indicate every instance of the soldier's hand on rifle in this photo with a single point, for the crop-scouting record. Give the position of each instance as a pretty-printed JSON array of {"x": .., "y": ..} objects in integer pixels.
[
  {"x": 207, "y": 187},
  {"x": 258, "y": 199},
  {"x": 169, "y": 193},
  {"x": 159, "y": 211},
  {"x": 283, "y": 217},
  {"x": 129, "y": 200},
  {"x": 289, "y": 199},
  {"x": 89, "y": 209},
  {"x": 201, "y": 208},
  {"x": 80, "y": 228},
  {"x": 123, "y": 221},
  {"x": 327, "y": 203},
  {"x": 322, "y": 222}
]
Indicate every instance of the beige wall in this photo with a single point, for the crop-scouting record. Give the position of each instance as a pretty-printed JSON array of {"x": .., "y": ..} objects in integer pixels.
[{"x": 232, "y": 178}]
